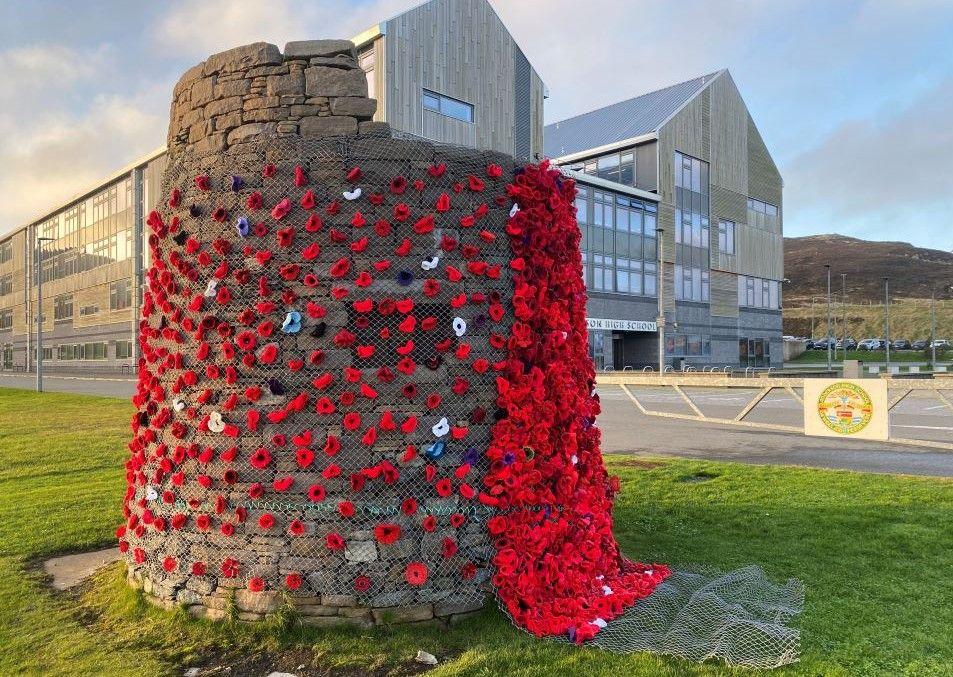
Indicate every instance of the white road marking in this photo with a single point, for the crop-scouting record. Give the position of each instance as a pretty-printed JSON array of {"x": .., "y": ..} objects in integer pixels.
[{"x": 922, "y": 427}]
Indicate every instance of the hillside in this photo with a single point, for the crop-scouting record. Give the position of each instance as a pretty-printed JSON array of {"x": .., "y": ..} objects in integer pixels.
[{"x": 913, "y": 271}]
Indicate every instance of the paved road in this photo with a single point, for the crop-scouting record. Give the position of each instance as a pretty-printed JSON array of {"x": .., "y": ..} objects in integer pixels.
[
  {"x": 625, "y": 430},
  {"x": 105, "y": 385}
]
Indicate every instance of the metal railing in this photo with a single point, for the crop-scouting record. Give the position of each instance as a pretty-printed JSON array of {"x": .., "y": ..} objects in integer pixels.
[{"x": 763, "y": 386}]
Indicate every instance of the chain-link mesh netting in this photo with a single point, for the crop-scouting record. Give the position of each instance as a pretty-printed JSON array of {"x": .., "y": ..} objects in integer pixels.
[
  {"x": 740, "y": 617},
  {"x": 374, "y": 309},
  {"x": 318, "y": 393}
]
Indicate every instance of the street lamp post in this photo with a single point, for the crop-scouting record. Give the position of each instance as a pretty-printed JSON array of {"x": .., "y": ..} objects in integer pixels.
[
  {"x": 660, "y": 320},
  {"x": 933, "y": 329},
  {"x": 887, "y": 318},
  {"x": 39, "y": 311},
  {"x": 843, "y": 298},
  {"x": 829, "y": 367}
]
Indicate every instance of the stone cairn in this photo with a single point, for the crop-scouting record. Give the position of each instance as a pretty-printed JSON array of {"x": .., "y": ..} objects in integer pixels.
[{"x": 269, "y": 330}]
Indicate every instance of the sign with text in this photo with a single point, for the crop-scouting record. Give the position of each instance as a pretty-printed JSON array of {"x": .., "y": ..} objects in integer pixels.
[
  {"x": 855, "y": 408},
  {"x": 620, "y": 325}
]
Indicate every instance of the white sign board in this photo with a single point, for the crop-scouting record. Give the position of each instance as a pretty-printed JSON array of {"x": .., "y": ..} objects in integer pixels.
[
  {"x": 620, "y": 325},
  {"x": 854, "y": 408}
]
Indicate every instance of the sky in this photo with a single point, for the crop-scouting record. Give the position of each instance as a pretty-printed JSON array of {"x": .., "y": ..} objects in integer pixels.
[{"x": 854, "y": 98}]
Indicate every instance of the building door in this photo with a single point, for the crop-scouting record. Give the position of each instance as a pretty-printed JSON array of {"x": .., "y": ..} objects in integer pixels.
[
  {"x": 8, "y": 357},
  {"x": 618, "y": 354}
]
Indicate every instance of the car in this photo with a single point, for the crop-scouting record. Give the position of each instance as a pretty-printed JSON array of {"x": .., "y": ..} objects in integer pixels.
[
  {"x": 820, "y": 344},
  {"x": 846, "y": 344},
  {"x": 920, "y": 345},
  {"x": 870, "y": 344},
  {"x": 940, "y": 343},
  {"x": 901, "y": 344}
]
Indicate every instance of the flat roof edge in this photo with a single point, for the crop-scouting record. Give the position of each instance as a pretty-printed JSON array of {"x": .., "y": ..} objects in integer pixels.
[{"x": 597, "y": 182}]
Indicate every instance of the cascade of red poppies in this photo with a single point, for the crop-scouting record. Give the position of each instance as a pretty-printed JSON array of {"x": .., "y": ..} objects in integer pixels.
[{"x": 558, "y": 566}]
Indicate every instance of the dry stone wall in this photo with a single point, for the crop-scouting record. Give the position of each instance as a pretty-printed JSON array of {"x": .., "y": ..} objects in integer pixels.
[
  {"x": 325, "y": 316},
  {"x": 314, "y": 90}
]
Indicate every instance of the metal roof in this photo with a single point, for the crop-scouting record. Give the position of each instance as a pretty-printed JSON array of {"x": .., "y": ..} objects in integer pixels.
[{"x": 620, "y": 121}]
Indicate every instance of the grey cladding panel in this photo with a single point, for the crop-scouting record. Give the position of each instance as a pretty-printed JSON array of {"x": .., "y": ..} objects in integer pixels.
[{"x": 522, "y": 94}]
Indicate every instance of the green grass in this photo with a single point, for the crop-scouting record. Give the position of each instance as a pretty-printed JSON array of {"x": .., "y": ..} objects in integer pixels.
[
  {"x": 868, "y": 356},
  {"x": 874, "y": 552}
]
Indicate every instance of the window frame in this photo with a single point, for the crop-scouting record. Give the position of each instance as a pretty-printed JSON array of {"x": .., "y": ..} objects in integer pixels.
[{"x": 442, "y": 109}]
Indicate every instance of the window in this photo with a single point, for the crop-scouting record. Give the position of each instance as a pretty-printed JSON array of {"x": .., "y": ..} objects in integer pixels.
[
  {"x": 6, "y": 284},
  {"x": 754, "y": 352},
  {"x": 628, "y": 276},
  {"x": 454, "y": 108},
  {"x": 762, "y": 215},
  {"x": 123, "y": 350},
  {"x": 6, "y": 319},
  {"x": 597, "y": 349},
  {"x": 618, "y": 241},
  {"x": 688, "y": 345},
  {"x": 120, "y": 294},
  {"x": 63, "y": 307},
  {"x": 618, "y": 167},
  {"x": 82, "y": 351},
  {"x": 602, "y": 272},
  {"x": 755, "y": 292},
  {"x": 692, "y": 284},
  {"x": 6, "y": 251},
  {"x": 582, "y": 206},
  {"x": 726, "y": 237},
  {"x": 88, "y": 310},
  {"x": 367, "y": 61},
  {"x": 650, "y": 278}
]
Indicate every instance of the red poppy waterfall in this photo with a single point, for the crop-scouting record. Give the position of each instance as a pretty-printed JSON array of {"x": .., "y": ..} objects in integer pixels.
[{"x": 364, "y": 386}]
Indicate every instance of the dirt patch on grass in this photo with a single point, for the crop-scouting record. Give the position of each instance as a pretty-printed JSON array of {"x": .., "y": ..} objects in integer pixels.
[
  {"x": 297, "y": 661},
  {"x": 638, "y": 463}
]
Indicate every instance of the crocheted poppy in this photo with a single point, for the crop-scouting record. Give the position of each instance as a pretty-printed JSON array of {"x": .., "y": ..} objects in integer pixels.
[
  {"x": 386, "y": 534},
  {"x": 416, "y": 573},
  {"x": 362, "y": 584},
  {"x": 293, "y": 581}
]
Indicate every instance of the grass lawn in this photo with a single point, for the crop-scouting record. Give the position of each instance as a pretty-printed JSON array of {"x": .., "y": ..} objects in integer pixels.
[{"x": 874, "y": 551}]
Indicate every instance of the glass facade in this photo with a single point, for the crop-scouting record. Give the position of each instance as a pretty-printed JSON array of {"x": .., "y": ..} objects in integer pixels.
[
  {"x": 93, "y": 233},
  {"x": 619, "y": 243},
  {"x": 692, "y": 230}
]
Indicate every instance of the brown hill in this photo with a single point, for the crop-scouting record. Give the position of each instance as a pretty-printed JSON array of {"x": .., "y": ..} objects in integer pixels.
[{"x": 913, "y": 271}]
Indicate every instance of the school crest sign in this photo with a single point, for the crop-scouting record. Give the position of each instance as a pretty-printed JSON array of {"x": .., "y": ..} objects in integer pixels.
[{"x": 846, "y": 408}]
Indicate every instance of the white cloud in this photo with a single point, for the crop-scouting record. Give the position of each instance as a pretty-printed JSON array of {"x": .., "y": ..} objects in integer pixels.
[
  {"x": 203, "y": 27},
  {"x": 887, "y": 174},
  {"x": 34, "y": 68},
  {"x": 61, "y": 154}
]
